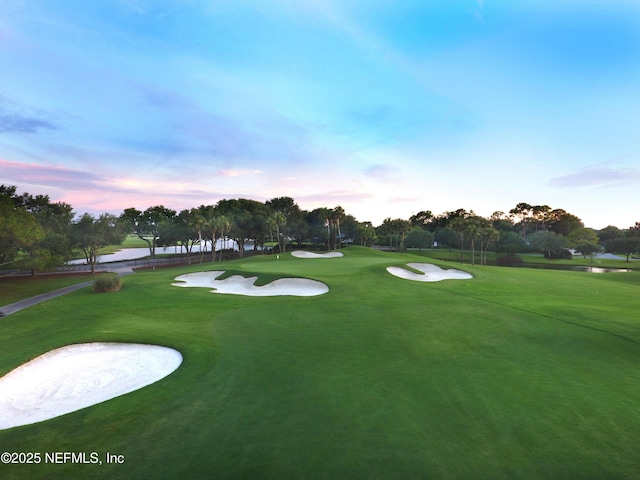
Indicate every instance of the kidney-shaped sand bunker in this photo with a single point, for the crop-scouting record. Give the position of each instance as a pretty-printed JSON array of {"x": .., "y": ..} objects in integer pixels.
[
  {"x": 77, "y": 376},
  {"x": 430, "y": 273},
  {"x": 239, "y": 285},
  {"x": 304, "y": 254}
]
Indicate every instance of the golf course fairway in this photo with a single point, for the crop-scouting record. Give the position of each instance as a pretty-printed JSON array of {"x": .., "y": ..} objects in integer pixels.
[{"x": 512, "y": 374}]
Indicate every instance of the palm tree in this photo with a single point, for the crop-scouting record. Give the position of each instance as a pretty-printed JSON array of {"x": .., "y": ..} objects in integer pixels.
[
  {"x": 459, "y": 225},
  {"x": 279, "y": 220},
  {"x": 223, "y": 225},
  {"x": 474, "y": 226},
  {"x": 199, "y": 223},
  {"x": 486, "y": 234},
  {"x": 336, "y": 215},
  {"x": 523, "y": 211}
]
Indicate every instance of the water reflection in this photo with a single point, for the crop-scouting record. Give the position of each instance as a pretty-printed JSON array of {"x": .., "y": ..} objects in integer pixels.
[
  {"x": 136, "y": 253},
  {"x": 578, "y": 268}
]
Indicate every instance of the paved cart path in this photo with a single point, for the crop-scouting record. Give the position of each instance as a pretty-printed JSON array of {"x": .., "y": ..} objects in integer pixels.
[{"x": 22, "y": 304}]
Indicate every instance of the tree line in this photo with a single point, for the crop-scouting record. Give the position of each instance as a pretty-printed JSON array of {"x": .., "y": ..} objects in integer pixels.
[{"x": 39, "y": 235}]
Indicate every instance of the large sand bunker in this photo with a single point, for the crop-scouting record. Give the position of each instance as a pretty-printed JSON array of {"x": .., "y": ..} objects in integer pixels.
[
  {"x": 78, "y": 376},
  {"x": 303, "y": 254},
  {"x": 431, "y": 273},
  {"x": 239, "y": 285}
]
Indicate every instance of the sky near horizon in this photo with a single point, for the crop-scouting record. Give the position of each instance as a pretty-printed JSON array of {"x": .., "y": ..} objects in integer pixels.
[{"x": 384, "y": 108}]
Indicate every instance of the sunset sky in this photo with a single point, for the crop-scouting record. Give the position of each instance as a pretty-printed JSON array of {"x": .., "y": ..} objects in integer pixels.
[{"x": 384, "y": 108}]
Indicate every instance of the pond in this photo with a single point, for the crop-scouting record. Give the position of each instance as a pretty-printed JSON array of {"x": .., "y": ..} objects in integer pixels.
[
  {"x": 136, "y": 253},
  {"x": 577, "y": 268}
]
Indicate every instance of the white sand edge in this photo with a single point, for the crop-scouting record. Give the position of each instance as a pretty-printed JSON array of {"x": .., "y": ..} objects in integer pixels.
[
  {"x": 239, "y": 285},
  {"x": 77, "y": 376},
  {"x": 303, "y": 254},
  {"x": 431, "y": 273}
]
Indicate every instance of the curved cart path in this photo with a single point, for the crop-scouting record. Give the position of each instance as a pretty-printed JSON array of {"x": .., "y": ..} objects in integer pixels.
[{"x": 22, "y": 304}]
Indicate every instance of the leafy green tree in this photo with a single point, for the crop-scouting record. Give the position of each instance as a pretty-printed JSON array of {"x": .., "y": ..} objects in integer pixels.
[
  {"x": 183, "y": 229},
  {"x": 422, "y": 219},
  {"x": 446, "y": 236},
  {"x": 298, "y": 228},
  {"x": 349, "y": 229},
  {"x": 395, "y": 231},
  {"x": 90, "y": 234},
  {"x": 510, "y": 243},
  {"x": 539, "y": 216},
  {"x": 562, "y": 222},
  {"x": 335, "y": 217},
  {"x": 585, "y": 241},
  {"x": 19, "y": 229},
  {"x": 210, "y": 225},
  {"x": 609, "y": 233},
  {"x": 459, "y": 226},
  {"x": 550, "y": 243},
  {"x": 627, "y": 243},
  {"x": 55, "y": 247},
  {"x": 285, "y": 213},
  {"x": 501, "y": 222},
  {"x": 223, "y": 225},
  {"x": 146, "y": 225},
  {"x": 522, "y": 211},
  {"x": 486, "y": 234},
  {"x": 365, "y": 234},
  {"x": 474, "y": 225},
  {"x": 319, "y": 226},
  {"x": 247, "y": 218},
  {"x": 419, "y": 238}
]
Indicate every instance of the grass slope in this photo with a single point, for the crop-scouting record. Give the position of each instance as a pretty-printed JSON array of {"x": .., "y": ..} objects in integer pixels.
[
  {"x": 517, "y": 373},
  {"x": 14, "y": 289}
]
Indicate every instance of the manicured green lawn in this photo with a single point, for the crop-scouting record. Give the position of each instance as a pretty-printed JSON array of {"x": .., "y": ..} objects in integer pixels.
[
  {"x": 133, "y": 241},
  {"x": 14, "y": 289},
  {"x": 517, "y": 373},
  {"x": 130, "y": 241}
]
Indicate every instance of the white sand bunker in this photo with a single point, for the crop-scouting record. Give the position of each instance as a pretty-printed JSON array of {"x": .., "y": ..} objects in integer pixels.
[
  {"x": 432, "y": 273},
  {"x": 239, "y": 285},
  {"x": 303, "y": 254},
  {"x": 78, "y": 376}
]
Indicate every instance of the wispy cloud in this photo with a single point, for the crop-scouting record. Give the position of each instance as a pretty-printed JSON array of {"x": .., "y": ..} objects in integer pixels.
[
  {"x": 381, "y": 171},
  {"x": 200, "y": 129},
  {"x": 59, "y": 177},
  {"x": 596, "y": 176},
  {"x": 238, "y": 173},
  {"x": 16, "y": 118}
]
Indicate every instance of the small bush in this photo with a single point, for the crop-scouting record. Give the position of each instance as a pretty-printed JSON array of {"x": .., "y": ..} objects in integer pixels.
[
  {"x": 107, "y": 283},
  {"x": 509, "y": 261},
  {"x": 563, "y": 254}
]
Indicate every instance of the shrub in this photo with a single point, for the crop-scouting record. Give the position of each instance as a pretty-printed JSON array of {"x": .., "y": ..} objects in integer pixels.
[
  {"x": 562, "y": 254},
  {"x": 107, "y": 283},
  {"x": 509, "y": 261}
]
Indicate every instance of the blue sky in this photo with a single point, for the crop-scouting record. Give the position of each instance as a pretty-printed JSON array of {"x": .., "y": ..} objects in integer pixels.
[{"x": 385, "y": 108}]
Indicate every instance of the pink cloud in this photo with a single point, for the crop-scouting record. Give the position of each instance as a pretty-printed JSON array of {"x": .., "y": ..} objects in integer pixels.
[{"x": 50, "y": 176}]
